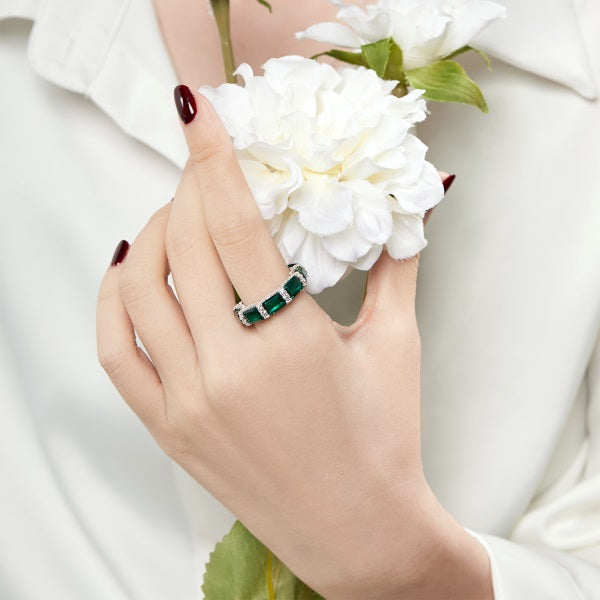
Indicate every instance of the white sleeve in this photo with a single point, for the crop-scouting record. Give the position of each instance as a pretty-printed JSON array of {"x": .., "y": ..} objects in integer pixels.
[
  {"x": 532, "y": 572},
  {"x": 553, "y": 553}
]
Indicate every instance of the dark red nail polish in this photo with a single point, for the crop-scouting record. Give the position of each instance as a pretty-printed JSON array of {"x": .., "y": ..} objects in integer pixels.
[
  {"x": 120, "y": 253},
  {"x": 185, "y": 102},
  {"x": 448, "y": 182}
]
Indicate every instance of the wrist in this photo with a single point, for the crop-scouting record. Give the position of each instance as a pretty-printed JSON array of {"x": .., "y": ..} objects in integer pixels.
[
  {"x": 428, "y": 556},
  {"x": 458, "y": 567}
]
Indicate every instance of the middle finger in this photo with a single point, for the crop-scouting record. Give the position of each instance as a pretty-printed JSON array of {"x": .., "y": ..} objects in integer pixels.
[{"x": 152, "y": 307}]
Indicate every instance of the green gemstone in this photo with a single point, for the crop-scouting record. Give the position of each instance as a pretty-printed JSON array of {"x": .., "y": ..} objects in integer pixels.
[
  {"x": 274, "y": 303},
  {"x": 293, "y": 286},
  {"x": 252, "y": 315}
]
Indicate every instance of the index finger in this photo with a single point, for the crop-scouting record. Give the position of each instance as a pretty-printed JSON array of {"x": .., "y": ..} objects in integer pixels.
[{"x": 247, "y": 250}]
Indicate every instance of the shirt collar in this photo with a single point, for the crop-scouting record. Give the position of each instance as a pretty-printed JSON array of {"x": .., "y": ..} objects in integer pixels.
[
  {"x": 113, "y": 53},
  {"x": 545, "y": 39}
]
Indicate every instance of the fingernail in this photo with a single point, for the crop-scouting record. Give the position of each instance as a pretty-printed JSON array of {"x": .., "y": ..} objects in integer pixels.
[
  {"x": 448, "y": 182},
  {"x": 185, "y": 102},
  {"x": 120, "y": 253}
]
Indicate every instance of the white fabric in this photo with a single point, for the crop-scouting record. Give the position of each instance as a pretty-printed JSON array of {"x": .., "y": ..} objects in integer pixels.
[{"x": 508, "y": 306}]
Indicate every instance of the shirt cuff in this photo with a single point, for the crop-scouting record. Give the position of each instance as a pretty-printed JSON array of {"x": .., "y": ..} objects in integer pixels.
[{"x": 536, "y": 572}]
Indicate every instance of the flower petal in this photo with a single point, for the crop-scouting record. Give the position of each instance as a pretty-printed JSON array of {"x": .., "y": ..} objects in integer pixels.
[
  {"x": 407, "y": 237},
  {"x": 324, "y": 207},
  {"x": 371, "y": 23},
  {"x": 369, "y": 259},
  {"x": 271, "y": 188},
  {"x": 232, "y": 105},
  {"x": 290, "y": 235},
  {"x": 331, "y": 33},
  {"x": 469, "y": 20},
  {"x": 422, "y": 195},
  {"x": 347, "y": 245},
  {"x": 323, "y": 269}
]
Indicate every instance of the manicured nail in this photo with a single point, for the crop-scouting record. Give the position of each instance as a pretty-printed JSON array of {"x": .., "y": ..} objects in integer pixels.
[
  {"x": 448, "y": 182},
  {"x": 185, "y": 102},
  {"x": 120, "y": 253}
]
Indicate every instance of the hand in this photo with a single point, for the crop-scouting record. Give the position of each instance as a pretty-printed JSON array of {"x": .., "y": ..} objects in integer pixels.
[{"x": 305, "y": 429}]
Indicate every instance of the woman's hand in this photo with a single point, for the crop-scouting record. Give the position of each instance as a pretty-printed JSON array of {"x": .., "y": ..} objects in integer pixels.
[{"x": 305, "y": 429}]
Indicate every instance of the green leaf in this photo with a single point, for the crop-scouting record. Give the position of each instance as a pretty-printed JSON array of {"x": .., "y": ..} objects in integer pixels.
[
  {"x": 354, "y": 58},
  {"x": 464, "y": 49},
  {"x": 377, "y": 55},
  {"x": 266, "y": 4},
  {"x": 446, "y": 81},
  {"x": 242, "y": 568},
  {"x": 394, "y": 66}
]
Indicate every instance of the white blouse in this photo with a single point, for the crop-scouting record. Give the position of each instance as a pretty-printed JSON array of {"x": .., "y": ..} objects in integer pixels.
[{"x": 508, "y": 307}]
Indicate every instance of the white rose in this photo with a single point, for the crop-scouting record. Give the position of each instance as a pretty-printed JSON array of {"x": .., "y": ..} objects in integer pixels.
[
  {"x": 331, "y": 163},
  {"x": 425, "y": 30}
]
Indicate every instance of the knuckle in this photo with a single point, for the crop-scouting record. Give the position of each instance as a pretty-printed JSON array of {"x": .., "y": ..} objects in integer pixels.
[
  {"x": 134, "y": 288},
  {"x": 186, "y": 421},
  {"x": 179, "y": 242},
  {"x": 234, "y": 230},
  {"x": 112, "y": 360},
  {"x": 160, "y": 217},
  {"x": 173, "y": 442},
  {"x": 106, "y": 294},
  {"x": 223, "y": 388},
  {"x": 213, "y": 150}
]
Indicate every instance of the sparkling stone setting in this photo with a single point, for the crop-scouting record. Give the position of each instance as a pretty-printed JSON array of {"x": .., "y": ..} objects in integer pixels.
[{"x": 274, "y": 302}]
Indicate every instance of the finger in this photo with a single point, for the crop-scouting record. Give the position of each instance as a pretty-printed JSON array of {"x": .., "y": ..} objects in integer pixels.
[
  {"x": 392, "y": 284},
  {"x": 128, "y": 367},
  {"x": 447, "y": 181},
  {"x": 152, "y": 307},
  {"x": 202, "y": 285},
  {"x": 248, "y": 253},
  {"x": 391, "y": 289}
]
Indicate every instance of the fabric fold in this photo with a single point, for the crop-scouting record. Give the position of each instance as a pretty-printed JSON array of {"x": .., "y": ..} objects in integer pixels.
[
  {"x": 544, "y": 39},
  {"x": 525, "y": 571},
  {"x": 88, "y": 50}
]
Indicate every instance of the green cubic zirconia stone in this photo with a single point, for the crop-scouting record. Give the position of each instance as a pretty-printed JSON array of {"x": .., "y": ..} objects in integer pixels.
[
  {"x": 252, "y": 315},
  {"x": 293, "y": 286},
  {"x": 274, "y": 303}
]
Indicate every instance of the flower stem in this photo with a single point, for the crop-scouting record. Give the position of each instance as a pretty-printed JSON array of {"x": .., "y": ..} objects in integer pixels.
[
  {"x": 400, "y": 90},
  {"x": 220, "y": 10}
]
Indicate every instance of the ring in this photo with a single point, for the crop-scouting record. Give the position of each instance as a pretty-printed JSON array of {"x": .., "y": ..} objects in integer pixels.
[{"x": 283, "y": 295}]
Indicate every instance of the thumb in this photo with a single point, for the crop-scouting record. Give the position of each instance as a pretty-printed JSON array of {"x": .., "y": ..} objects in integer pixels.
[
  {"x": 392, "y": 284},
  {"x": 391, "y": 290}
]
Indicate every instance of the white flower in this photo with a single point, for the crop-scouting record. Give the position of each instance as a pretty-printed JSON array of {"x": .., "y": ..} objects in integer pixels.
[
  {"x": 329, "y": 159},
  {"x": 425, "y": 30}
]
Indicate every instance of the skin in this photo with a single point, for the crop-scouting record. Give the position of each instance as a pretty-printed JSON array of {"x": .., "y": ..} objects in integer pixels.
[{"x": 307, "y": 430}]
